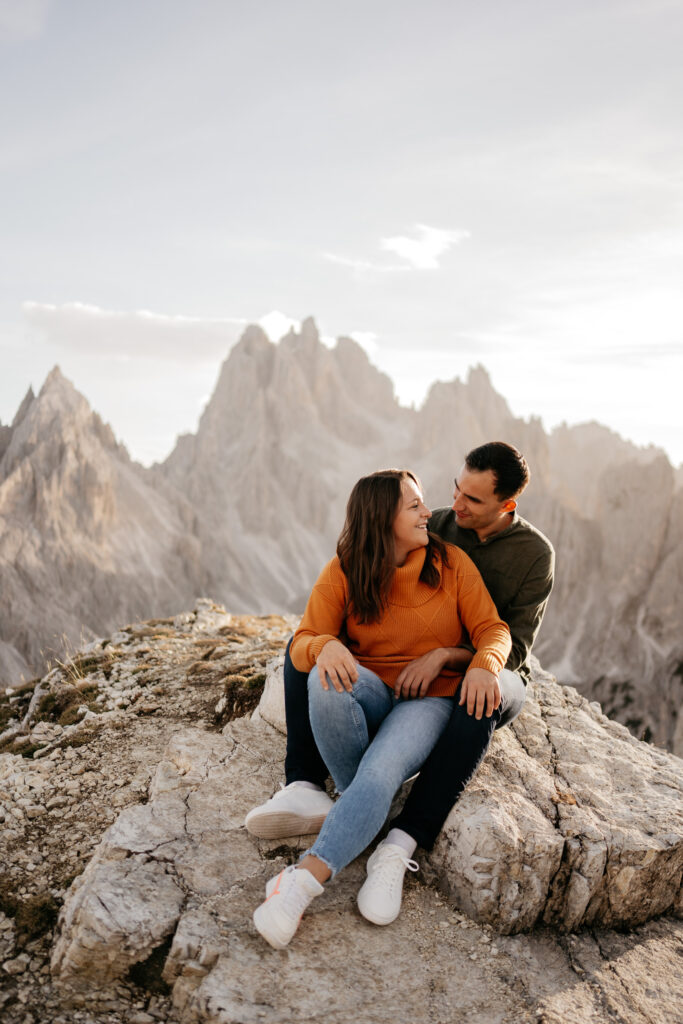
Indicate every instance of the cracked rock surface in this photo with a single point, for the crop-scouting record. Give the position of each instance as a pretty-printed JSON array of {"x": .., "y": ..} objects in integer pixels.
[
  {"x": 570, "y": 824},
  {"x": 570, "y": 820}
]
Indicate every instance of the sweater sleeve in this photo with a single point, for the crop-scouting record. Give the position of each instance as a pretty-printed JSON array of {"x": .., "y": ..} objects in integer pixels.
[
  {"x": 525, "y": 613},
  {"x": 489, "y": 634},
  {"x": 323, "y": 617}
]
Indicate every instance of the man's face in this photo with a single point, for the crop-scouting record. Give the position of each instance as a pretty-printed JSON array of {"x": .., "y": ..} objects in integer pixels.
[{"x": 476, "y": 505}]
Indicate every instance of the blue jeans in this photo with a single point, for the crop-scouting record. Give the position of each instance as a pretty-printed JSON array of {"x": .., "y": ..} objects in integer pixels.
[
  {"x": 455, "y": 758},
  {"x": 371, "y": 742}
]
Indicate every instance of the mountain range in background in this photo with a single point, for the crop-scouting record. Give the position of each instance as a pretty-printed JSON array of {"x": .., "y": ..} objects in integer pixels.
[{"x": 248, "y": 509}]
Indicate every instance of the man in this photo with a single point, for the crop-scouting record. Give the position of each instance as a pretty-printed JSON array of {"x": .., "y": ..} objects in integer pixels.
[{"x": 516, "y": 562}]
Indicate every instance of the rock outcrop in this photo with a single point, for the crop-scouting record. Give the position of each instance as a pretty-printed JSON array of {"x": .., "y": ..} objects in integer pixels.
[
  {"x": 571, "y": 821},
  {"x": 138, "y": 786}
]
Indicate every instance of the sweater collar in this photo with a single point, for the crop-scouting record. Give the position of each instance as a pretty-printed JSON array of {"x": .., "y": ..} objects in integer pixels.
[
  {"x": 406, "y": 588},
  {"x": 514, "y": 521}
]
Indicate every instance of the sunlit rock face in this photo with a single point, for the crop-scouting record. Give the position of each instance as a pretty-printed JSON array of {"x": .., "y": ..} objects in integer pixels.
[
  {"x": 288, "y": 430},
  {"x": 249, "y": 508},
  {"x": 85, "y": 539}
]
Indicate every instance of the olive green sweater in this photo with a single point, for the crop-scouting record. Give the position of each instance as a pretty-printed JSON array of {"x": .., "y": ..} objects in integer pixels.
[{"x": 517, "y": 566}]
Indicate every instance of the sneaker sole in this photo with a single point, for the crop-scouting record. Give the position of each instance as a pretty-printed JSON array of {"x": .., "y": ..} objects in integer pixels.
[
  {"x": 280, "y": 824},
  {"x": 376, "y": 918},
  {"x": 266, "y": 929}
]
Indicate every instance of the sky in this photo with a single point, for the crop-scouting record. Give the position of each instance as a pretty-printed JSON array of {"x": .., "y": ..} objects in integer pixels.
[{"x": 450, "y": 183}]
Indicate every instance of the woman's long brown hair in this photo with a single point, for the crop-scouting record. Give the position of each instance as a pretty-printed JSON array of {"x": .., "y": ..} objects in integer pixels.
[{"x": 366, "y": 544}]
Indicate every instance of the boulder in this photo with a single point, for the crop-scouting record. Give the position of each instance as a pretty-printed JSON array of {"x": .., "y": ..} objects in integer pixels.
[{"x": 570, "y": 821}]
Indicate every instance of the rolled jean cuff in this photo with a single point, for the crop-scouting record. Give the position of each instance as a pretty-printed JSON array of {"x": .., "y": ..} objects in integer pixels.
[{"x": 311, "y": 852}]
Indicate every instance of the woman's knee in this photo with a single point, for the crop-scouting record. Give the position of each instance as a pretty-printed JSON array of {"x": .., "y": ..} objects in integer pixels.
[{"x": 326, "y": 700}]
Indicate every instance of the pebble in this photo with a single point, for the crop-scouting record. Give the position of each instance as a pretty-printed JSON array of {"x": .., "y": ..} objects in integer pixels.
[
  {"x": 18, "y": 965},
  {"x": 56, "y": 801}
]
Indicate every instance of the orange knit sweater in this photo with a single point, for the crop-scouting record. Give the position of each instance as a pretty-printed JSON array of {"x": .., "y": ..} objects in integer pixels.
[{"x": 416, "y": 620}]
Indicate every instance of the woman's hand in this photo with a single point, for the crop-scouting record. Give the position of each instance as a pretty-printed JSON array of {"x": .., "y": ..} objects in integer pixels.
[
  {"x": 415, "y": 679},
  {"x": 480, "y": 688},
  {"x": 336, "y": 664}
]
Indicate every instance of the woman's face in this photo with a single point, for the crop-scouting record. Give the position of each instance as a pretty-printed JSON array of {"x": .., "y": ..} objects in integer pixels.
[{"x": 410, "y": 522}]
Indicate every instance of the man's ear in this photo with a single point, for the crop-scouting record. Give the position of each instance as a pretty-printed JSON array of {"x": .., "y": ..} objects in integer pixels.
[{"x": 510, "y": 505}]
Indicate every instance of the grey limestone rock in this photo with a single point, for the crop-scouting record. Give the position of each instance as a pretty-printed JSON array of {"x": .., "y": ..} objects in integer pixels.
[{"x": 570, "y": 820}]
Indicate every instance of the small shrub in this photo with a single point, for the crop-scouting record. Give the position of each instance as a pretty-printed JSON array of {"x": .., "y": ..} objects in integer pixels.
[{"x": 33, "y": 915}]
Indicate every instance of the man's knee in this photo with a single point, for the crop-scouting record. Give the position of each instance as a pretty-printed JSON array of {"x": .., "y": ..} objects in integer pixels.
[
  {"x": 513, "y": 695},
  {"x": 294, "y": 679},
  {"x": 463, "y": 725}
]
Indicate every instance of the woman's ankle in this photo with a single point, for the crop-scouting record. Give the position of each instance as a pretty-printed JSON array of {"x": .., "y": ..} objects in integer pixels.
[{"x": 316, "y": 867}]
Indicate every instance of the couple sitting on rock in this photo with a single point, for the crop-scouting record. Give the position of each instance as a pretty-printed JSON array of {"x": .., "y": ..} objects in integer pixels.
[{"x": 404, "y": 661}]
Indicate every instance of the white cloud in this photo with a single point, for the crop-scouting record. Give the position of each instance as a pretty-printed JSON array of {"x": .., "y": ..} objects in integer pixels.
[
  {"x": 22, "y": 19},
  {"x": 424, "y": 250},
  {"x": 277, "y": 324},
  {"x": 368, "y": 341},
  {"x": 106, "y": 332}
]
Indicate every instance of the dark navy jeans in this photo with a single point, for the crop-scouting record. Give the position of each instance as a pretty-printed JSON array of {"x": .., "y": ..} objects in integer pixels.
[{"x": 444, "y": 775}]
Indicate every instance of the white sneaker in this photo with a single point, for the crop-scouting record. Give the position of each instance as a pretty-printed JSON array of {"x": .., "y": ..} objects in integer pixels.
[
  {"x": 295, "y": 810},
  {"x": 289, "y": 893},
  {"x": 379, "y": 899}
]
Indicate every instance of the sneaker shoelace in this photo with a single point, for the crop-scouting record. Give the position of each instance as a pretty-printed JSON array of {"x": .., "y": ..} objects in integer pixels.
[
  {"x": 385, "y": 869},
  {"x": 295, "y": 899}
]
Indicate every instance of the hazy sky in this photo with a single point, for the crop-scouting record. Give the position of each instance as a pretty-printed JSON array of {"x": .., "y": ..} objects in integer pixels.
[{"x": 450, "y": 182}]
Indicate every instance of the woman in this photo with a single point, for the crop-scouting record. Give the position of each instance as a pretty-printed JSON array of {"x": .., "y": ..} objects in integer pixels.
[{"x": 393, "y": 593}]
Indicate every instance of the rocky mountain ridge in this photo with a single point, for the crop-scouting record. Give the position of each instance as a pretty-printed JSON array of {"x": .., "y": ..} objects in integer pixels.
[{"x": 249, "y": 507}]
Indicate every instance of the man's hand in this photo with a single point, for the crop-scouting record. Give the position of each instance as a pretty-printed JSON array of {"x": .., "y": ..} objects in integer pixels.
[
  {"x": 336, "y": 664},
  {"x": 480, "y": 689},
  {"x": 414, "y": 680}
]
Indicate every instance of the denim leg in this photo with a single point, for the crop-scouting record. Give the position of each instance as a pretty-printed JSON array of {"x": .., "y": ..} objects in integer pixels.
[
  {"x": 453, "y": 761},
  {"x": 344, "y": 723},
  {"x": 303, "y": 762},
  {"x": 403, "y": 740}
]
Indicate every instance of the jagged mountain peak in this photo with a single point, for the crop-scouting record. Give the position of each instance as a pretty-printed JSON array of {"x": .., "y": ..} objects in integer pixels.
[
  {"x": 26, "y": 403},
  {"x": 256, "y": 496},
  {"x": 59, "y": 394},
  {"x": 305, "y": 342},
  {"x": 59, "y": 419},
  {"x": 253, "y": 339},
  {"x": 309, "y": 329},
  {"x": 478, "y": 376}
]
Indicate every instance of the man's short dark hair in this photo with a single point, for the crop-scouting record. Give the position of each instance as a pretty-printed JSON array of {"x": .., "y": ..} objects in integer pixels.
[{"x": 507, "y": 464}]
